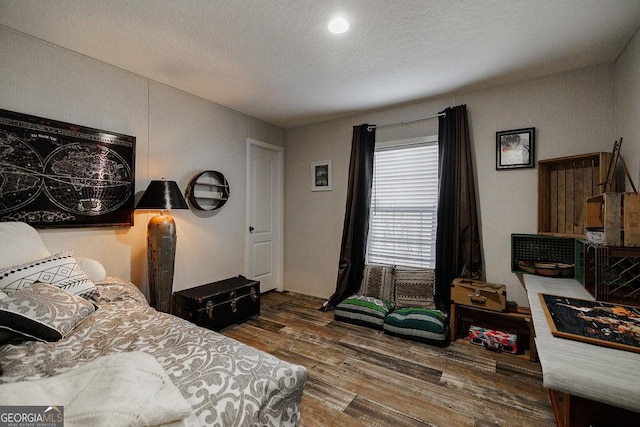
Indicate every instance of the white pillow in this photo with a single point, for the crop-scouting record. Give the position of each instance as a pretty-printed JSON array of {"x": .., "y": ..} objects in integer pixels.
[
  {"x": 20, "y": 243},
  {"x": 92, "y": 268}
]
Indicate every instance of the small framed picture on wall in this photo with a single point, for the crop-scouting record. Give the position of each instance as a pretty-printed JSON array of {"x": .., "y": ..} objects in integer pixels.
[
  {"x": 321, "y": 176},
  {"x": 515, "y": 148}
]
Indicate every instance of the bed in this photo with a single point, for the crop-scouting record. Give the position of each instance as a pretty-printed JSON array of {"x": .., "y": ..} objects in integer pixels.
[{"x": 222, "y": 381}]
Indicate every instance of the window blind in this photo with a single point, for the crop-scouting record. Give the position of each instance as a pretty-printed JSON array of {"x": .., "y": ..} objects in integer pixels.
[{"x": 404, "y": 201}]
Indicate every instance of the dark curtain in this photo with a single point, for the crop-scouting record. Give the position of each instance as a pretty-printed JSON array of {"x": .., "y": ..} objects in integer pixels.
[
  {"x": 356, "y": 216},
  {"x": 458, "y": 252}
]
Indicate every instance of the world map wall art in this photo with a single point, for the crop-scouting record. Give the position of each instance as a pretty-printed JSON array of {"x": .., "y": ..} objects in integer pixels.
[{"x": 56, "y": 174}]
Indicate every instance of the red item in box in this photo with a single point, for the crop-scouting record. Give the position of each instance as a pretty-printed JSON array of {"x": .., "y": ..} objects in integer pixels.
[{"x": 493, "y": 339}]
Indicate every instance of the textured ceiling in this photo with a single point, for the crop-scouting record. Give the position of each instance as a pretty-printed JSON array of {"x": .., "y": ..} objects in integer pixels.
[{"x": 274, "y": 59}]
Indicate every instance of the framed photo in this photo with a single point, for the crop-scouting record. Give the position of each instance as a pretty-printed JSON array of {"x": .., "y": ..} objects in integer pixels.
[
  {"x": 321, "y": 179},
  {"x": 515, "y": 148},
  {"x": 56, "y": 174}
]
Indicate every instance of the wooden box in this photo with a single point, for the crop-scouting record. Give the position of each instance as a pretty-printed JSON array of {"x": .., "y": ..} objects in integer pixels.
[
  {"x": 631, "y": 220},
  {"x": 564, "y": 184},
  {"x": 604, "y": 211},
  {"x": 219, "y": 304},
  {"x": 617, "y": 215},
  {"x": 475, "y": 293}
]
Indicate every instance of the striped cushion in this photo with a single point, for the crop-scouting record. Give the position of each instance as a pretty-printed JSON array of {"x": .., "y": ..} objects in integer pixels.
[
  {"x": 377, "y": 282},
  {"x": 417, "y": 323},
  {"x": 363, "y": 310},
  {"x": 415, "y": 287}
]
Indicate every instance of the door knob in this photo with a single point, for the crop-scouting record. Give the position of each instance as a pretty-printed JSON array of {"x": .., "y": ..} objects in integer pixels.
[{"x": 251, "y": 229}]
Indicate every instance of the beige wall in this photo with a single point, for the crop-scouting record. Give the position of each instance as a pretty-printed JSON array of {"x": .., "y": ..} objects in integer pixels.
[
  {"x": 627, "y": 107},
  {"x": 572, "y": 113},
  {"x": 177, "y": 135}
]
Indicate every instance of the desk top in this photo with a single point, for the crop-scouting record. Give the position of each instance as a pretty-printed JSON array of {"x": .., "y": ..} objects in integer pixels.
[{"x": 586, "y": 370}]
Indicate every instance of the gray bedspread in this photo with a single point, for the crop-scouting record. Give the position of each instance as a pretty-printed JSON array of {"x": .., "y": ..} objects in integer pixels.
[{"x": 226, "y": 382}]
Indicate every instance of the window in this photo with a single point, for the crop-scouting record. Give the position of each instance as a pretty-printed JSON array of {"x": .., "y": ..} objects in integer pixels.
[{"x": 404, "y": 204}]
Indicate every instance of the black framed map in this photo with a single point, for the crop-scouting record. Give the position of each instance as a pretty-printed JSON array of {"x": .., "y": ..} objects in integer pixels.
[
  {"x": 56, "y": 174},
  {"x": 595, "y": 322}
]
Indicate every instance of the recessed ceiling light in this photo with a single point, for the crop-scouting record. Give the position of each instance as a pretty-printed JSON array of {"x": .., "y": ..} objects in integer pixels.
[{"x": 338, "y": 25}]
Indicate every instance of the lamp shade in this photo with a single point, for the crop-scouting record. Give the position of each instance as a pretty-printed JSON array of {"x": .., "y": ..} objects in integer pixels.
[{"x": 161, "y": 194}]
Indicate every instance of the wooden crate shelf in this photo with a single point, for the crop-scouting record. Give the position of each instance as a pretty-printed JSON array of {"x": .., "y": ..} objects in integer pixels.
[{"x": 564, "y": 184}]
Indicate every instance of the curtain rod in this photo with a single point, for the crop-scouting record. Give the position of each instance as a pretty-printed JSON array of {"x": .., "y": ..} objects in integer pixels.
[{"x": 370, "y": 128}]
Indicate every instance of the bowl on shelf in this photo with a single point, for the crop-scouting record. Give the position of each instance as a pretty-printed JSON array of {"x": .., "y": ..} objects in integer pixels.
[
  {"x": 548, "y": 269},
  {"x": 527, "y": 266}
]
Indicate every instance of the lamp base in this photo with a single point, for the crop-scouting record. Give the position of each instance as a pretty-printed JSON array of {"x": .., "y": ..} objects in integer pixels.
[{"x": 161, "y": 253}]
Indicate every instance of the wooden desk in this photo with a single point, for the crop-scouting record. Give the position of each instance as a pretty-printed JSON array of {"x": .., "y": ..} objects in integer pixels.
[{"x": 496, "y": 318}]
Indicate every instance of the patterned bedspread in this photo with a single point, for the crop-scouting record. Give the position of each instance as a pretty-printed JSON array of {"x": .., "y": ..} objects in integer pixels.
[{"x": 226, "y": 382}]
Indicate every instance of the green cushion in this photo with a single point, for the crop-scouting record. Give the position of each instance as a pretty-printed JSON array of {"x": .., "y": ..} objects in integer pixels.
[
  {"x": 363, "y": 310},
  {"x": 417, "y": 323}
]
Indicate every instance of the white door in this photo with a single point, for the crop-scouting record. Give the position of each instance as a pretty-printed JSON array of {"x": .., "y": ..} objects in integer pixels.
[{"x": 264, "y": 214}]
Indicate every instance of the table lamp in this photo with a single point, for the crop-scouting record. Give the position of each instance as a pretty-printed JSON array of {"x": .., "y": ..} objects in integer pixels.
[{"x": 161, "y": 240}]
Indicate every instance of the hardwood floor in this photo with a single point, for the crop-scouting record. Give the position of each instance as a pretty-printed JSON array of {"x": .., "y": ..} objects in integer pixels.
[{"x": 357, "y": 376}]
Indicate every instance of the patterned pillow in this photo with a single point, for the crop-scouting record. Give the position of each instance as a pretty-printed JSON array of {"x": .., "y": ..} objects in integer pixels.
[
  {"x": 415, "y": 287},
  {"x": 417, "y": 323},
  {"x": 43, "y": 312},
  {"x": 363, "y": 310},
  {"x": 377, "y": 282},
  {"x": 60, "y": 270}
]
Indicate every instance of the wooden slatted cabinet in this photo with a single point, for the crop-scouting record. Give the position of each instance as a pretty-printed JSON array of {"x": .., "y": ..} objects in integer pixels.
[{"x": 564, "y": 184}]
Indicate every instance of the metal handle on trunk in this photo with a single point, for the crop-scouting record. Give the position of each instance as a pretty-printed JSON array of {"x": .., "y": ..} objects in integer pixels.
[{"x": 209, "y": 309}]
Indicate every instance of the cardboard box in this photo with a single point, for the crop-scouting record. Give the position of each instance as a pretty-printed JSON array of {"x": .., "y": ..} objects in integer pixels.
[
  {"x": 493, "y": 339},
  {"x": 475, "y": 293}
]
